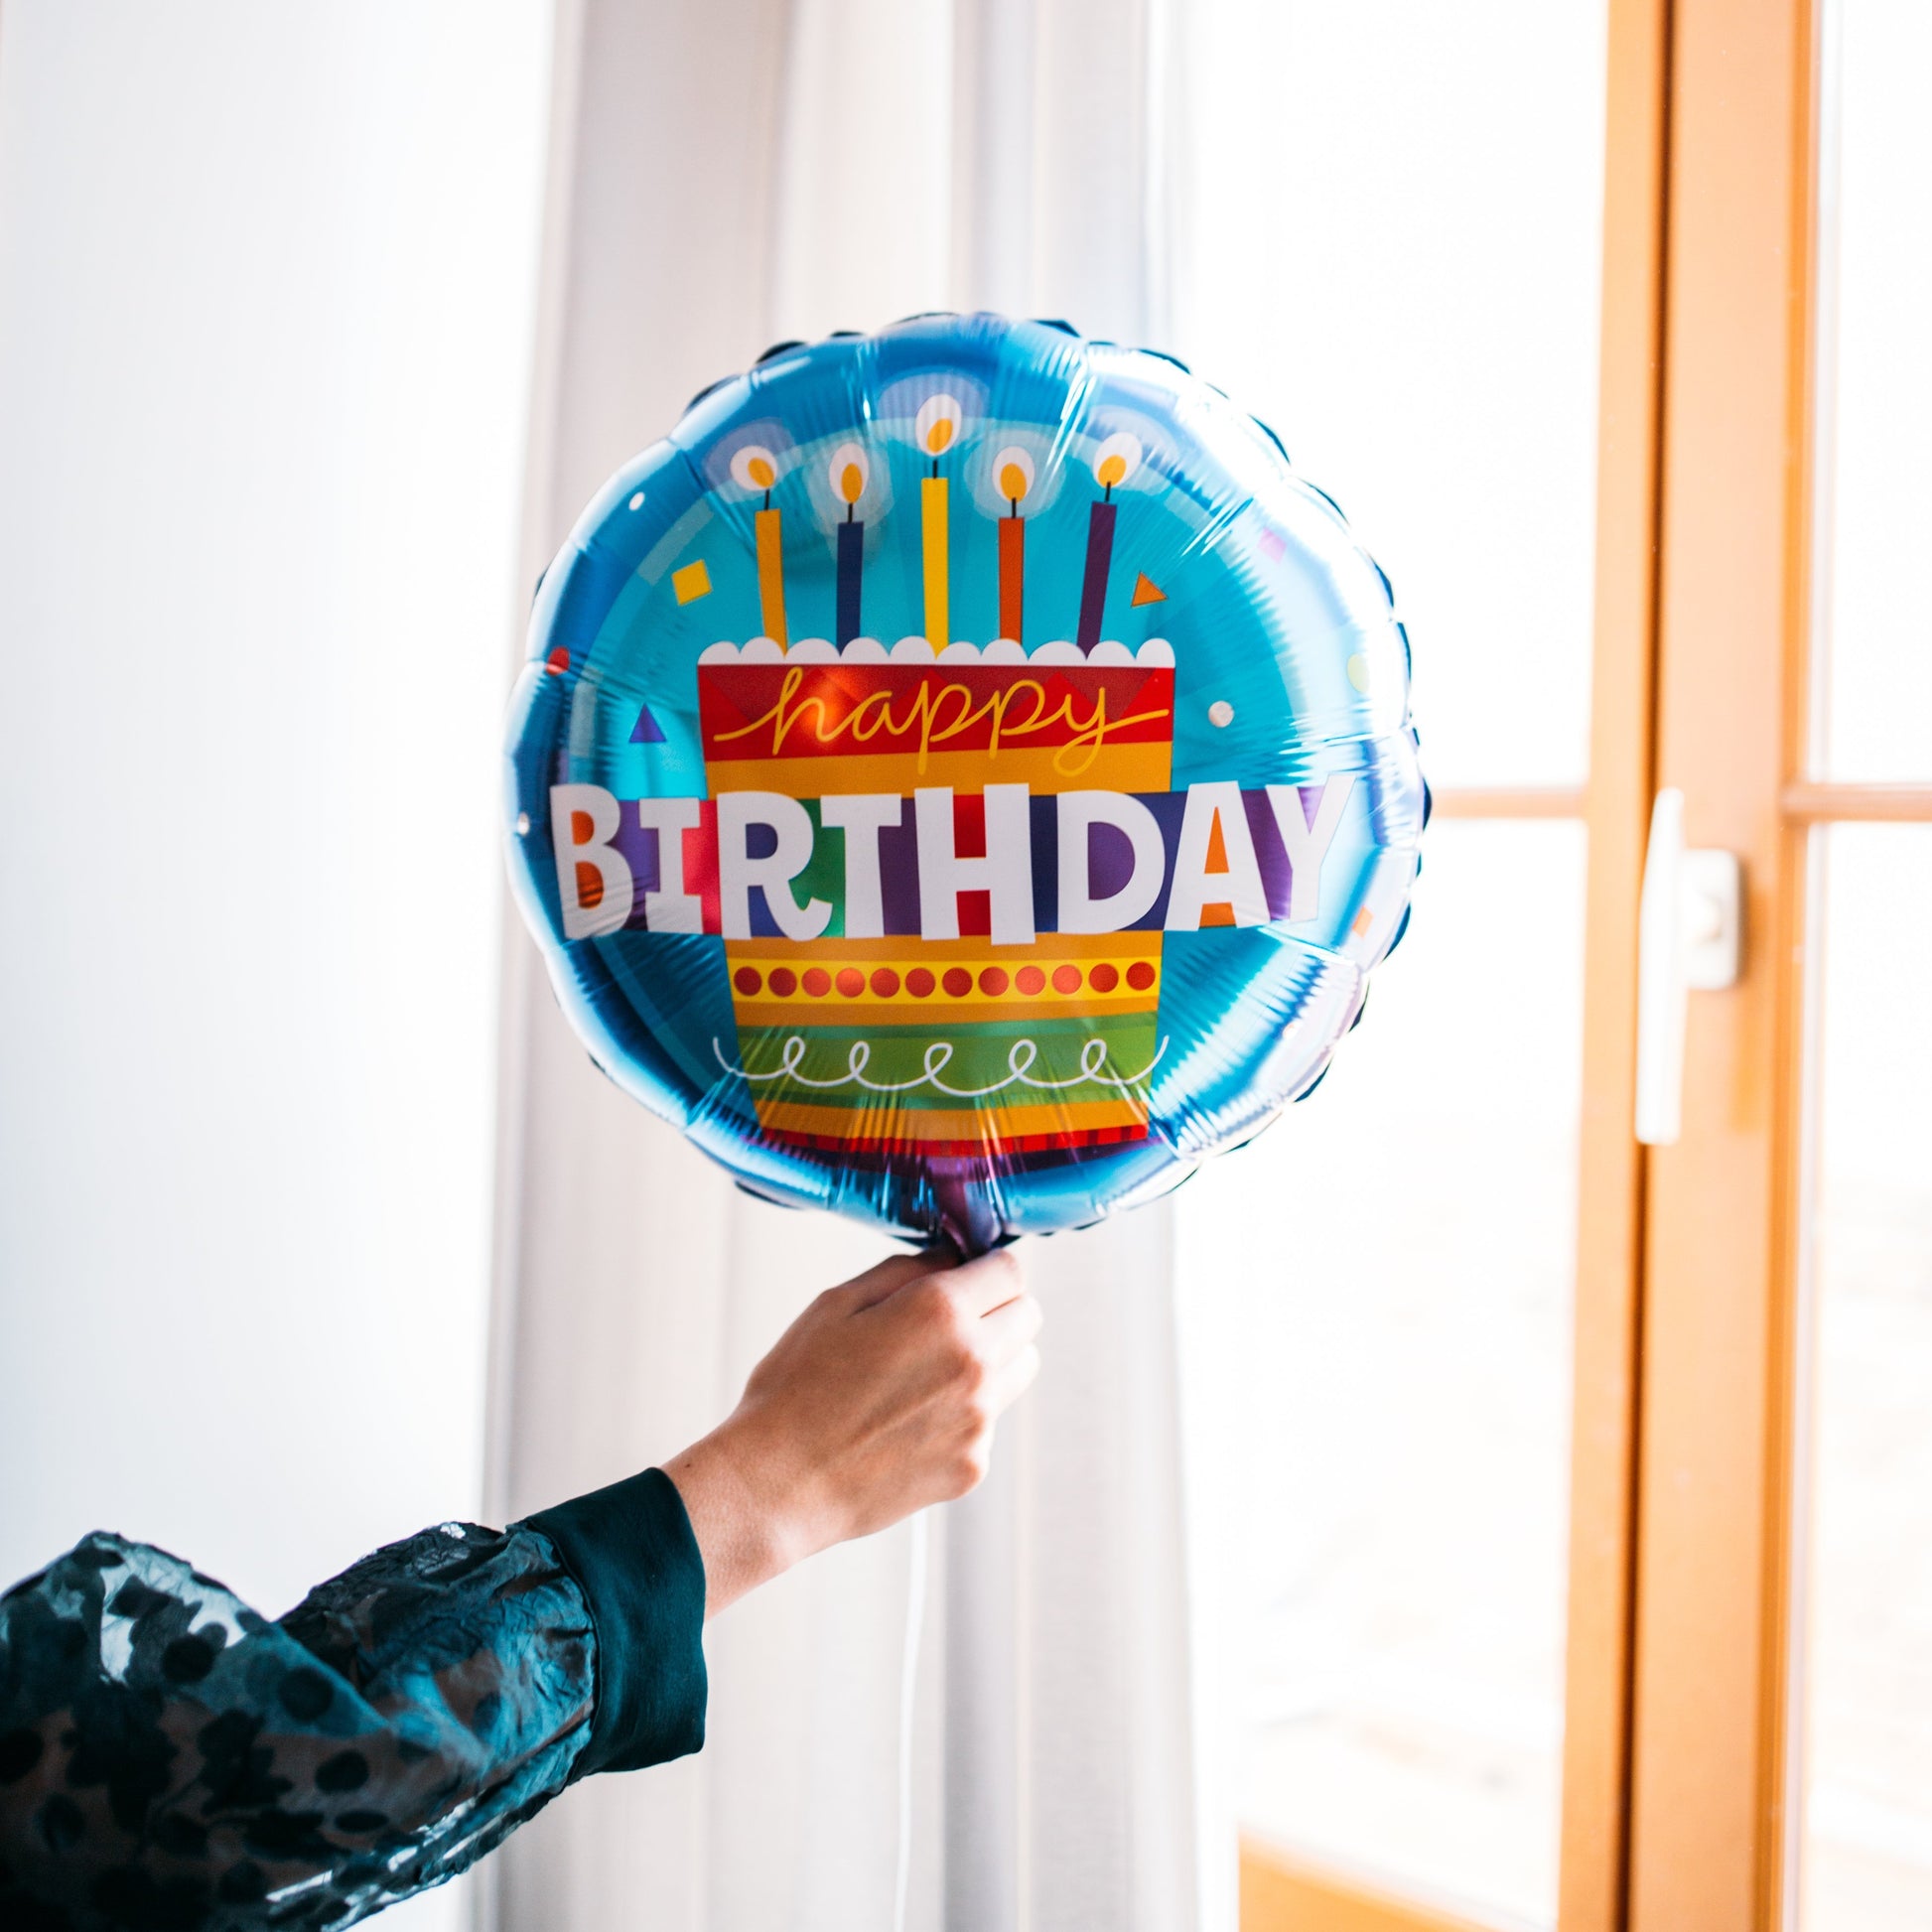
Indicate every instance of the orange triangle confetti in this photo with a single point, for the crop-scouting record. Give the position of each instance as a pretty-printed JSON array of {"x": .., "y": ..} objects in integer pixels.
[{"x": 1147, "y": 591}]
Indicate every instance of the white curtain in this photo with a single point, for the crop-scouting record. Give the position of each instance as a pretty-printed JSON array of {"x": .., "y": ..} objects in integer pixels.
[{"x": 727, "y": 174}]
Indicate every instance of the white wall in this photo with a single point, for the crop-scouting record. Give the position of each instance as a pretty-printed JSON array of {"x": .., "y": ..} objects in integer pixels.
[{"x": 266, "y": 289}]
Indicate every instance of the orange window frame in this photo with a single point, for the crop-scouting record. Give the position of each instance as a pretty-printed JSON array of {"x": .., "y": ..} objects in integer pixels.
[{"x": 1675, "y": 1805}]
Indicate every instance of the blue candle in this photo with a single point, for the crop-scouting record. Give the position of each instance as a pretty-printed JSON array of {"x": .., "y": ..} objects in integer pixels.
[
  {"x": 849, "y": 475},
  {"x": 852, "y": 552}
]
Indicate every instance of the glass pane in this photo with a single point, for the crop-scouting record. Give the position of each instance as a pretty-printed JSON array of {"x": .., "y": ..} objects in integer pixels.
[
  {"x": 1878, "y": 684},
  {"x": 1865, "y": 1852},
  {"x": 1391, "y": 252},
  {"x": 1390, "y": 1272}
]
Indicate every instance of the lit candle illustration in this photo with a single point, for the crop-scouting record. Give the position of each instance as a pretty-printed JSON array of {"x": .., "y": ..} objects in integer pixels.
[
  {"x": 1114, "y": 461},
  {"x": 849, "y": 475},
  {"x": 1013, "y": 474},
  {"x": 935, "y": 429},
  {"x": 756, "y": 468}
]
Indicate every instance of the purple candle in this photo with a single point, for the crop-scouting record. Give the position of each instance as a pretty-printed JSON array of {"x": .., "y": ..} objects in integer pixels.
[
  {"x": 1114, "y": 461},
  {"x": 1093, "y": 586}
]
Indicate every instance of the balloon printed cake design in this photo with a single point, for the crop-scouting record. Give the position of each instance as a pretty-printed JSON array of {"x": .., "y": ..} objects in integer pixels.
[{"x": 963, "y": 777}]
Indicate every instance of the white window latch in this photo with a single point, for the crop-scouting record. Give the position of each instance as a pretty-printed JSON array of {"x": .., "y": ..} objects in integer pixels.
[{"x": 1690, "y": 935}]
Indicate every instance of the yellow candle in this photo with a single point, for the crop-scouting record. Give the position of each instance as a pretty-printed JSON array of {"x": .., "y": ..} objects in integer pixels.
[
  {"x": 935, "y": 430},
  {"x": 933, "y": 514},
  {"x": 755, "y": 469},
  {"x": 771, "y": 574}
]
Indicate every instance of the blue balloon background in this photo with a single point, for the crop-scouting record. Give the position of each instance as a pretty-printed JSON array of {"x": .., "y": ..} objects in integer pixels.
[{"x": 1270, "y": 606}]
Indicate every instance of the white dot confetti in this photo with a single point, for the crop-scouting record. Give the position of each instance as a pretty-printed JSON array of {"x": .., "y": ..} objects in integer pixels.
[
  {"x": 1221, "y": 714},
  {"x": 637, "y": 502}
]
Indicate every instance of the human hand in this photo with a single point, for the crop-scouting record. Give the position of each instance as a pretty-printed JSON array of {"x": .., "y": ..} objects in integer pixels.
[{"x": 880, "y": 1399}]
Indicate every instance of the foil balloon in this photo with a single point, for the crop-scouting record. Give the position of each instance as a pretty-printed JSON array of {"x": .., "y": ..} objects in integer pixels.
[{"x": 962, "y": 777}]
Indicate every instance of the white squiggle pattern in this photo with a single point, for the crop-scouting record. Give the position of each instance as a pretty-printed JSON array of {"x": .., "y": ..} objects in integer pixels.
[{"x": 938, "y": 1056}]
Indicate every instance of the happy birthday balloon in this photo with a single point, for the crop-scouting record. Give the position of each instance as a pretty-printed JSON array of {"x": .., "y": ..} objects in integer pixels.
[{"x": 963, "y": 777}]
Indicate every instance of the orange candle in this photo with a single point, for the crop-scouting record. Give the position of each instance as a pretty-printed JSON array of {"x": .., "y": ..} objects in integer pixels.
[{"x": 1013, "y": 474}]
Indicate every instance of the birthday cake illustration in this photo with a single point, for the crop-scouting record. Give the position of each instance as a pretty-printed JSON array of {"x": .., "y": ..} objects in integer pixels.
[
  {"x": 917, "y": 997},
  {"x": 919, "y": 755},
  {"x": 920, "y": 1003}
]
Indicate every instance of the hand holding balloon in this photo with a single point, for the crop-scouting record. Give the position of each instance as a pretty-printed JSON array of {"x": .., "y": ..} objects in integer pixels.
[{"x": 880, "y": 1399}]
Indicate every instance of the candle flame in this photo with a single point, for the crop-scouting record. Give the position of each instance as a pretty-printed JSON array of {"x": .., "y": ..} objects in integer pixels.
[
  {"x": 755, "y": 467},
  {"x": 850, "y": 473},
  {"x": 1012, "y": 472},
  {"x": 937, "y": 423},
  {"x": 1117, "y": 459}
]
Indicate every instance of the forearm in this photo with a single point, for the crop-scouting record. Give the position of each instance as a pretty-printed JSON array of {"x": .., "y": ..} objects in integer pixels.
[
  {"x": 739, "y": 1513},
  {"x": 166, "y": 1756}
]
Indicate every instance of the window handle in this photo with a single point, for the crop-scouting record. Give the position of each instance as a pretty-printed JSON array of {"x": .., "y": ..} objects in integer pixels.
[{"x": 1689, "y": 935}]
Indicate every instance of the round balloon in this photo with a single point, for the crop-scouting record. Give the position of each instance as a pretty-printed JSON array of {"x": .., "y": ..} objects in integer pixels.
[{"x": 963, "y": 777}]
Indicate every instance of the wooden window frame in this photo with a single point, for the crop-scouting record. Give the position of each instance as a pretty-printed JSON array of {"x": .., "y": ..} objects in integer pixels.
[
  {"x": 1286, "y": 1892},
  {"x": 1715, "y": 1773},
  {"x": 1717, "y": 1335},
  {"x": 1678, "y": 1774}
]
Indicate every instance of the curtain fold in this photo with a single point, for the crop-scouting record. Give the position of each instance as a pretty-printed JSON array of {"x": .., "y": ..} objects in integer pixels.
[{"x": 728, "y": 175}]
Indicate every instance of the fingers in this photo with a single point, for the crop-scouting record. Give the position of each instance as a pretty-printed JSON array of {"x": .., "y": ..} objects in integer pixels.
[
  {"x": 1012, "y": 1380},
  {"x": 893, "y": 1274},
  {"x": 989, "y": 1282},
  {"x": 978, "y": 1286},
  {"x": 1002, "y": 1334}
]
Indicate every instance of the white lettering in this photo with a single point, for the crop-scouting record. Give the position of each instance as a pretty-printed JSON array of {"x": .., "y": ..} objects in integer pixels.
[
  {"x": 1005, "y": 873},
  {"x": 594, "y": 882},
  {"x": 1195, "y": 887},
  {"x": 862, "y": 816},
  {"x": 670, "y": 908},
  {"x": 739, "y": 871},
  {"x": 1308, "y": 840},
  {"x": 1080, "y": 812}
]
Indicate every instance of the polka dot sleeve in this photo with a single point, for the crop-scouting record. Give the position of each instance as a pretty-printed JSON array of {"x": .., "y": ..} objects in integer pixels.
[{"x": 171, "y": 1759}]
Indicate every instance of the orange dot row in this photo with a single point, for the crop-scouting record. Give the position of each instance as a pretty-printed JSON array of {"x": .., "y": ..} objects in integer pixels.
[{"x": 956, "y": 982}]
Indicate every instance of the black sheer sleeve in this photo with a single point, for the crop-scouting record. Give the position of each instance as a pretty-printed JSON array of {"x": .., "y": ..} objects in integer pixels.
[{"x": 170, "y": 1760}]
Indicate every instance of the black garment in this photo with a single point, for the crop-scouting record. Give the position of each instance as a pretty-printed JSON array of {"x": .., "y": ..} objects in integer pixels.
[{"x": 171, "y": 1762}]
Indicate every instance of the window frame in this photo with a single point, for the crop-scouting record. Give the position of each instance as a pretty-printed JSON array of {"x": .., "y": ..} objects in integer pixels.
[
  {"x": 1280, "y": 1890},
  {"x": 1680, "y": 1777}
]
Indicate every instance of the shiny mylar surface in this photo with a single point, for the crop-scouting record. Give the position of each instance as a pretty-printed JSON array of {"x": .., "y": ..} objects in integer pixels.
[{"x": 963, "y": 777}]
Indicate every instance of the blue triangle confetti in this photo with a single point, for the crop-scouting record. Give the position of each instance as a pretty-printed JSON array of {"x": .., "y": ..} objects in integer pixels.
[{"x": 646, "y": 731}]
